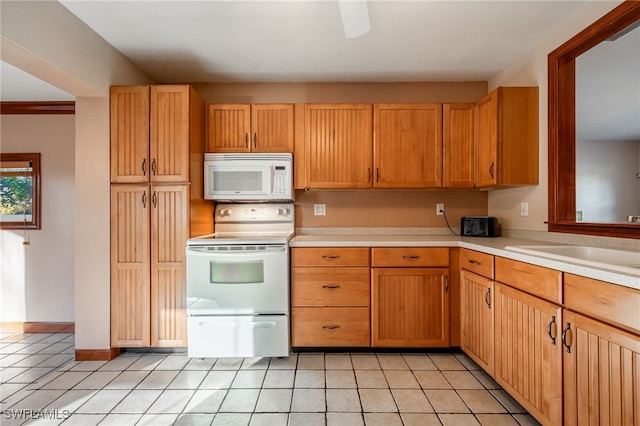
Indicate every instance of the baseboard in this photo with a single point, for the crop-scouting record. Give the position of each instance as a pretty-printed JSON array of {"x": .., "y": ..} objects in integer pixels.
[
  {"x": 37, "y": 327},
  {"x": 97, "y": 354}
]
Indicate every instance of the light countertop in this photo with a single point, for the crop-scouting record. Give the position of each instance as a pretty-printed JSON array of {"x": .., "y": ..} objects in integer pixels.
[{"x": 495, "y": 246}]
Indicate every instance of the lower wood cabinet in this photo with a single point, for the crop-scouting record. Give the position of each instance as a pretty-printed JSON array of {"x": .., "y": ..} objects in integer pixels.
[
  {"x": 149, "y": 227},
  {"x": 330, "y": 297},
  {"x": 410, "y": 307},
  {"x": 601, "y": 373},
  {"x": 528, "y": 357},
  {"x": 476, "y": 309}
]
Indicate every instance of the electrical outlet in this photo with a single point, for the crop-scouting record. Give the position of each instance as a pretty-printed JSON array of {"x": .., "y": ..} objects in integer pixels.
[
  {"x": 440, "y": 209},
  {"x": 524, "y": 209},
  {"x": 319, "y": 209}
]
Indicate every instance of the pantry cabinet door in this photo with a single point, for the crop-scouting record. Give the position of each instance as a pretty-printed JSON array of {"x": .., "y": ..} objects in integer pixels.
[
  {"x": 228, "y": 128},
  {"x": 410, "y": 307},
  {"x": 129, "y": 108},
  {"x": 528, "y": 352},
  {"x": 170, "y": 133},
  {"x": 601, "y": 373},
  {"x": 407, "y": 146},
  {"x": 338, "y": 145},
  {"x": 170, "y": 231},
  {"x": 130, "y": 262}
]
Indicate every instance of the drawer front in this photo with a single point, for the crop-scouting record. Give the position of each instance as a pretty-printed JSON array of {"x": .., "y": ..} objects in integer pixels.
[
  {"x": 330, "y": 286},
  {"x": 329, "y": 327},
  {"x": 399, "y": 257},
  {"x": 330, "y": 256},
  {"x": 537, "y": 280},
  {"x": 476, "y": 262},
  {"x": 613, "y": 304}
]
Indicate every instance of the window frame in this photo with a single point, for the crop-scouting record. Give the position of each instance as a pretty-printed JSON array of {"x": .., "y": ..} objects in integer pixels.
[{"x": 35, "y": 222}]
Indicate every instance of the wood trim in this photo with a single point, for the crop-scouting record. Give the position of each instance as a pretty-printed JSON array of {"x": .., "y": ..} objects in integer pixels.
[
  {"x": 37, "y": 327},
  {"x": 561, "y": 72},
  {"x": 40, "y": 107},
  {"x": 97, "y": 354}
]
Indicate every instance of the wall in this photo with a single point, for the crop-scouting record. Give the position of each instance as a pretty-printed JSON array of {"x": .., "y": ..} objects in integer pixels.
[
  {"x": 531, "y": 70},
  {"x": 37, "y": 282}
]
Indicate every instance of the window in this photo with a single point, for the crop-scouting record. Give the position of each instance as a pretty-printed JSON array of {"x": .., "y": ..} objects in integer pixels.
[{"x": 20, "y": 191}]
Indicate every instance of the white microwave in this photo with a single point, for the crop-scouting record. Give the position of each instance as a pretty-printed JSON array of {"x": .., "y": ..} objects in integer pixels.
[{"x": 248, "y": 177}]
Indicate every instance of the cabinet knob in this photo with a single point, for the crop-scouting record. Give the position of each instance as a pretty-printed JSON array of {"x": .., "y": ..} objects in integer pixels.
[
  {"x": 328, "y": 257},
  {"x": 330, "y": 327},
  {"x": 331, "y": 287},
  {"x": 566, "y": 337}
]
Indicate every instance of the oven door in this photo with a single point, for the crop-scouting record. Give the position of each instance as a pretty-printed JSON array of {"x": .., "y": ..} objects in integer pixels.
[{"x": 238, "y": 280}]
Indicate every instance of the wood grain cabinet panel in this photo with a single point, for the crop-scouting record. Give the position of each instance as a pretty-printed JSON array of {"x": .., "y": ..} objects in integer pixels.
[
  {"x": 130, "y": 263},
  {"x": 601, "y": 373},
  {"x": 407, "y": 145},
  {"x": 458, "y": 145},
  {"x": 330, "y": 327},
  {"x": 338, "y": 145},
  {"x": 528, "y": 357},
  {"x": 330, "y": 256},
  {"x": 537, "y": 280},
  {"x": 407, "y": 257},
  {"x": 477, "y": 262},
  {"x": 477, "y": 328},
  {"x": 250, "y": 128},
  {"x": 506, "y": 151},
  {"x": 410, "y": 307},
  {"x": 330, "y": 286}
]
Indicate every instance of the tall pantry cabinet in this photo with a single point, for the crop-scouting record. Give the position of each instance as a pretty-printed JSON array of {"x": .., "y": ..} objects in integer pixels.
[{"x": 157, "y": 153}]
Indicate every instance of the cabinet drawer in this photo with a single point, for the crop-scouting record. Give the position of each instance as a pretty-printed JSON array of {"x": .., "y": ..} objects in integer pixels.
[
  {"x": 398, "y": 257},
  {"x": 330, "y": 256},
  {"x": 476, "y": 262},
  {"x": 542, "y": 282},
  {"x": 330, "y": 327},
  {"x": 330, "y": 286},
  {"x": 613, "y": 304}
]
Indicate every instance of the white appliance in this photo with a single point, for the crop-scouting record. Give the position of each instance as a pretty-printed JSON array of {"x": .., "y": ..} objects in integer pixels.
[
  {"x": 248, "y": 177},
  {"x": 238, "y": 283}
]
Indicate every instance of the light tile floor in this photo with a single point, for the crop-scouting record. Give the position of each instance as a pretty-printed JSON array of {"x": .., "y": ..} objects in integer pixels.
[{"x": 40, "y": 383}]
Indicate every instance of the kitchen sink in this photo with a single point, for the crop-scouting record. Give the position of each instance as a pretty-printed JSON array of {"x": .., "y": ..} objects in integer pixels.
[{"x": 618, "y": 260}]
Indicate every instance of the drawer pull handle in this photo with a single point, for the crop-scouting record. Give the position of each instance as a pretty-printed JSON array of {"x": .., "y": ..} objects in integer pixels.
[
  {"x": 327, "y": 257},
  {"x": 411, "y": 257},
  {"x": 331, "y": 287},
  {"x": 566, "y": 337},
  {"x": 551, "y": 330},
  {"x": 475, "y": 262},
  {"x": 487, "y": 298},
  {"x": 330, "y": 327}
]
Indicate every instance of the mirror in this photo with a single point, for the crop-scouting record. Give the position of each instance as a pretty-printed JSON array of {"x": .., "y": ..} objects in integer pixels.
[
  {"x": 580, "y": 199},
  {"x": 20, "y": 190}
]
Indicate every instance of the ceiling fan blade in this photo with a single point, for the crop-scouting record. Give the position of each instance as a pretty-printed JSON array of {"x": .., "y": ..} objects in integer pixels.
[{"x": 355, "y": 17}]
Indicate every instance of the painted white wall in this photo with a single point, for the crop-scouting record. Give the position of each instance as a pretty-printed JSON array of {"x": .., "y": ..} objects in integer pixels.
[
  {"x": 37, "y": 279},
  {"x": 531, "y": 70}
]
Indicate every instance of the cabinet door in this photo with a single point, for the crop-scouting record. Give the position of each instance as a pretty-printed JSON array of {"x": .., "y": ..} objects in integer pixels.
[
  {"x": 228, "y": 127},
  {"x": 408, "y": 145},
  {"x": 528, "y": 352},
  {"x": 476, "y": 308},
  {"x": 410, "y": 307},
  {"x": 129, "y": 107},
  {"x": 170, "y": 133},
  {"x": 338, "y": 145},
  {"x": 458, "y": 145},
  {"x": 130, "y": 262},
  {"x": 486, "y": 159},
  {"x": 601, "y": 373},
  {"x": 170, "y": 230},
  {"x": 272, "y": 128}
]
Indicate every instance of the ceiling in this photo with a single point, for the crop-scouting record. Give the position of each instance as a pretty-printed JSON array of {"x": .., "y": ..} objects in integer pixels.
[{"x": 303, "y": 41}]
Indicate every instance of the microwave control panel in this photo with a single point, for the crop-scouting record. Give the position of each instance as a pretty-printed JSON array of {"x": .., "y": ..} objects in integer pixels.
[{"x": 280, "y": 180}]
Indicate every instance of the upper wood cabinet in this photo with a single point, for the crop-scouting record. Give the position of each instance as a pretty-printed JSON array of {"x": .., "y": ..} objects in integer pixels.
[
  {"x": 507, "y": 138},
  {"x": 407, "y": 145},
  {"x": 338, "y": 148},
  {"x": 250, "y": 128},
  {"x": 458, "y": 139},
  {"x": 153, "y": 129}
]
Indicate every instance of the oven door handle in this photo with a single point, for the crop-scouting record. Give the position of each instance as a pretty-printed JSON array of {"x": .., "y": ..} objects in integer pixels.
[
  {"x": 267, "y": 250},
  {"x": 252, "y": 325}
]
